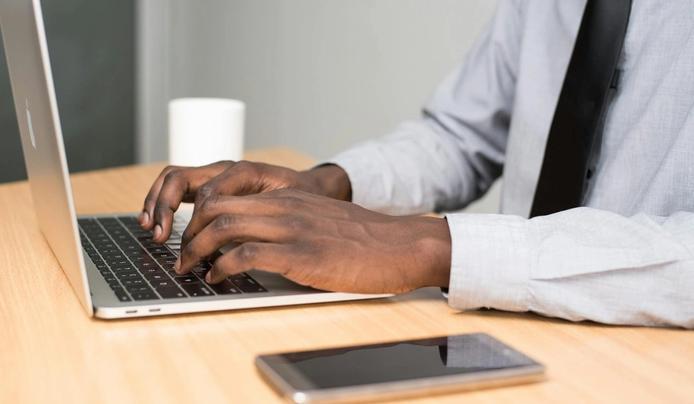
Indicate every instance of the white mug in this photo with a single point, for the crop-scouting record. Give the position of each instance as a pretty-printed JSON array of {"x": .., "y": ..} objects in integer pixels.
[{"x": 205, "y": 130}]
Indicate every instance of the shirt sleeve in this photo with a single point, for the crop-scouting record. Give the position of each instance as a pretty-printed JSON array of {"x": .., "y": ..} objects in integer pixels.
[
  {"x": 453, "y": 154},
  {"x": 634, "y": 271}
]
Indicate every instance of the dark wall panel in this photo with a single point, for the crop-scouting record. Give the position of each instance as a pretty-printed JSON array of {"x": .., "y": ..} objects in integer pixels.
[{"x": 92, "y": 49}]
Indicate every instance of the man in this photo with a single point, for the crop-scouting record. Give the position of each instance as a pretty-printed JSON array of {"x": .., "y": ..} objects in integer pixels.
[{"x": 623, "y": 254}]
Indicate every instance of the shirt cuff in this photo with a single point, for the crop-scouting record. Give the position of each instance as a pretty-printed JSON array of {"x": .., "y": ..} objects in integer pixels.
[
  {"x": 363, "y": 170},
  {"x": 491, "y": 262}
]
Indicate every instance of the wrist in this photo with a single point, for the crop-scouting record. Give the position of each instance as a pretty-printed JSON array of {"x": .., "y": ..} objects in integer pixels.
[
  {"x": 433, "y": 251},
  {"x": 330, "y": 180}
]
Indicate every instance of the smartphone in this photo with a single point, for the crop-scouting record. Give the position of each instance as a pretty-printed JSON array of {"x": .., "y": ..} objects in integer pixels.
[{"x": 398, "y": 369}]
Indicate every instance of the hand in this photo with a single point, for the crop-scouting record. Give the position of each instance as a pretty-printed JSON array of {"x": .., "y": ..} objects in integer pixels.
[
  {"x": 187, "y": 184},
  {"x": 319, "y": 242}
]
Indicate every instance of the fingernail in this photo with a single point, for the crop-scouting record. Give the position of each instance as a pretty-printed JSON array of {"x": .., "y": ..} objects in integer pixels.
[
  {"x": 208, "y": 276},
  {"x": 145, "y": 217},
  {"x": 157, "y": 231},
  {"x": 177, "y": 265}
]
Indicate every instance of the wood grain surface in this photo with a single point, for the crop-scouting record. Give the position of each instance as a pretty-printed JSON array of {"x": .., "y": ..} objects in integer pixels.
[{"x": 50, "y": 351}]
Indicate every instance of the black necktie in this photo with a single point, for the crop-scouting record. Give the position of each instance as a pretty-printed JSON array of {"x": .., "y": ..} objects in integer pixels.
[{"x": 582, "y": 102}]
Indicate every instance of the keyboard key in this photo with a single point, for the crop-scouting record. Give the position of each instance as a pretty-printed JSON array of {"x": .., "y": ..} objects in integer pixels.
[
  {"x": 163, "y": 283},
  {"x": 168, "y": 264},
  {"x": 128, "y": 275},
  {"x": 146, "y": 265},
  {"x": 135, "y": 289},
  {"x": 196, "y": 290},
  {"x": 120, "y": 294},
  {"x": 248, "y": 285},
  {"x": 108, "y": 221},
  {"x": 109, "y": 251},
  {"x": 145, "y": 295},
  {"x": 140, "y": 258},
  {"x": 150, "y": 269},
  {"x": 186, "y": 280},
  {"x": 170, "y": 292},
  {"x": 122, "y": 269},
  {"x": 157, "y": 249},
  {"x": 200, "y": 272},
  {"x": 127, "y": 219},
  {"x": 158, "y": 277},
  {"x": 105, "y": 271},
  {"x": 164, "y": 257},
  {"x": 225, "y": 288},
  {"x": 114, "y": 260},
  {"x": 130, "y": 249},
  {"x": 134, "y": 282}
]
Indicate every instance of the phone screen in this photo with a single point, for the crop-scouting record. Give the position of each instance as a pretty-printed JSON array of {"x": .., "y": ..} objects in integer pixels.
[{"x": 407, "y": 360}]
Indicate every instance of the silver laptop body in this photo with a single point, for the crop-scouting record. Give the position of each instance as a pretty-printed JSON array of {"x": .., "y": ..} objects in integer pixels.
[{"x": 98, "y": 255}]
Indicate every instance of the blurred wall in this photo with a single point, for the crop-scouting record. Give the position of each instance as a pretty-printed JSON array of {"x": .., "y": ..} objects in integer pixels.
[
  {"x": 92, "y": 49},
  {"x": 317, "y": 75}
]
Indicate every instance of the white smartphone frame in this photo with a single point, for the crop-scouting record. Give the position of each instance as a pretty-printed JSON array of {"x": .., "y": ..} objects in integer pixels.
[{"x": 295, "y": 387}]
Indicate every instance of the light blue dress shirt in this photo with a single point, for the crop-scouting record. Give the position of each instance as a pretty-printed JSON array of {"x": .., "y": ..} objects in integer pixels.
[{"x": 627, "y": 256}]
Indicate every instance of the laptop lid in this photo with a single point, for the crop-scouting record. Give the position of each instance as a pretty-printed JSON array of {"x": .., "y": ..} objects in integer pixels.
[{"x": 26, "y": 51}]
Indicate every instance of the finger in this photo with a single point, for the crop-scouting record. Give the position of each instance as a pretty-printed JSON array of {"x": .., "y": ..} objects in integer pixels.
[
  {"x": 266, "y": 204},
  {"x": 270, "y": 257},
  {"x": 178, "y": 186},
  {"x": 239, "y": 179},
  {"x": 226, "y": 229},
  {"x": 242, "y": 178},
  {"x": 145, "y": 218}
]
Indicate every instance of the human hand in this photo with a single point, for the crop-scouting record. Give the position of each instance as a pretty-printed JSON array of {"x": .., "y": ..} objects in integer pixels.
[
  {"x": 195, "y": 184},
  {"x": 319, "y": 242}
]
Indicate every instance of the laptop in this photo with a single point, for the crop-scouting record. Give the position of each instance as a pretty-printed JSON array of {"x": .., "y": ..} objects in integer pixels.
[{"x": 113, "y": 266}]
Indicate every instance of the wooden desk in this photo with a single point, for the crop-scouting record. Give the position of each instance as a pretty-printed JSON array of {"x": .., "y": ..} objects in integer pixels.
[{"x": 51, "y": 352}]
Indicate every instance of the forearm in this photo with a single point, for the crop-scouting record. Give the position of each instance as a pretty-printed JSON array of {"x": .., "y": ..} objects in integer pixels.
[{"x": 417, "y": 169}]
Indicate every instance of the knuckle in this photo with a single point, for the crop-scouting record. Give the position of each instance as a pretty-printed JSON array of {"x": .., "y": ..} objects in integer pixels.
[
  {"x": 223, "y": 222},
  {"x": 290, "y": 201},
  {"x": 162, "y": 206},
  {"x": 150, "y": 199},
  {"x": 173, "y": 176},
  {"x": 207, "y": 204},
  {"x": 169, "y": 169},
  {"x": 206, "y": 191},
  {"x": 246, "y": 252},
  {"x": 296, "y": 224},
  {"x": 245, "y": 167},
  {"x": 222, "y": 164}
]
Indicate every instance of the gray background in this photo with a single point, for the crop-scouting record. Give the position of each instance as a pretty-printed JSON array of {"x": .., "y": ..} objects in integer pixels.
[
  {"x": 92, "y": 47},
  {"x": 317, "y": 75}
]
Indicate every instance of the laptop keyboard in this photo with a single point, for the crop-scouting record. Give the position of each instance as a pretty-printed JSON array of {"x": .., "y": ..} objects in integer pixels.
[{"x": 136, "y": 268}]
